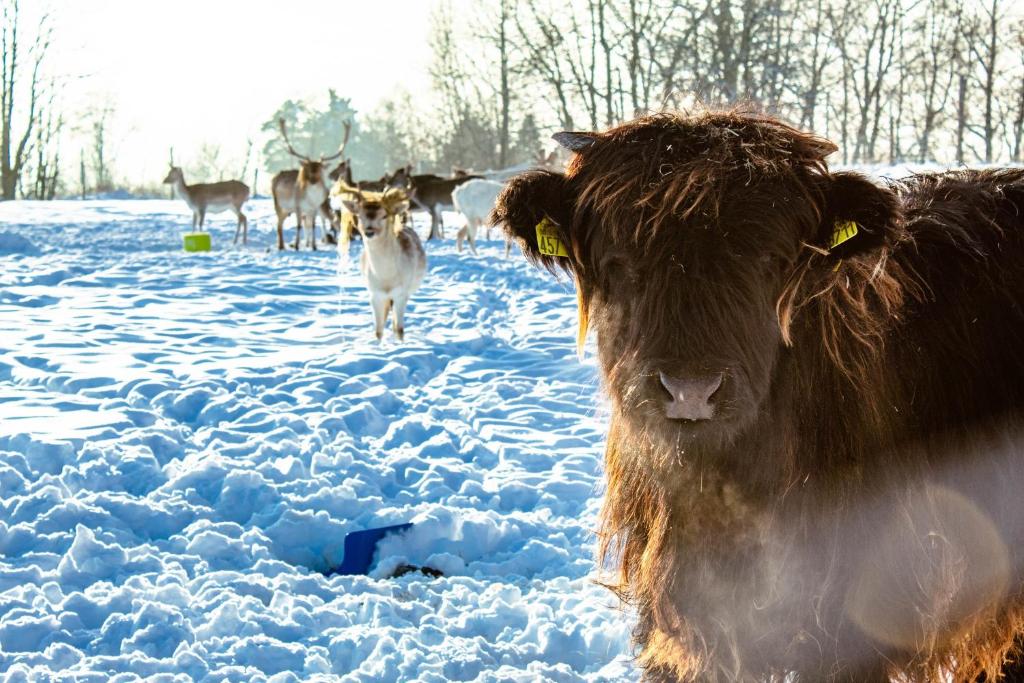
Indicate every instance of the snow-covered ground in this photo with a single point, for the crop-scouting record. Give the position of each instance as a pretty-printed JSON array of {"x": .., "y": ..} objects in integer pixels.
[{"x": 186, "y": 439}]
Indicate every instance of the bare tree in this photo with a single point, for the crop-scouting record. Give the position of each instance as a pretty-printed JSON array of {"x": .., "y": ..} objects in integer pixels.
[
  {"x": 932, "y": 66},
  {"x": 46, "y": 149},
  {"x": 986, "y": 24},
  {"x": 639, "y": 19},
  {"x": 83, "y": 188},
  {"x": 469, "y": 130},
  {"x": 545, "y": 47},
  {"x": 812, "y": 74},
  {"x": 100, "y": 121},
  {"x": 496, "y": 45},
  {"x": 1017, "y": 131},
  {"x": 504, "y": 140},
  {"x": 21, "y": 84},
  {"x": 868, "y": 50}
]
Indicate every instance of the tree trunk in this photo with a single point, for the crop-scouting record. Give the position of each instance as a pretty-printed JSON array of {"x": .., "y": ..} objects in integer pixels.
[
  {"x": 961, "y": 118},
  {"x": 729, "y": 80},
  {"x": 990, "y": 77},
  {"x": 506, "y": 104}
]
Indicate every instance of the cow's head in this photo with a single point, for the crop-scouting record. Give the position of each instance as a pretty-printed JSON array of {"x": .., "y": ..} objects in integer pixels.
[{"x": 688, "y": 237}]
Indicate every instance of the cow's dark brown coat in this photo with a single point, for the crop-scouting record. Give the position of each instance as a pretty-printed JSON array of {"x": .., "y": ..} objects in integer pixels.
[{"x": 854, "y": 511}]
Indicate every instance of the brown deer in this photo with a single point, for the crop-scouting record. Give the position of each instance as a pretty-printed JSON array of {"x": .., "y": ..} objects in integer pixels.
[
  {"x": 303, "y": 191},
  {"x": 433, "y": 194},
  {"x": 227, "y": 195}
]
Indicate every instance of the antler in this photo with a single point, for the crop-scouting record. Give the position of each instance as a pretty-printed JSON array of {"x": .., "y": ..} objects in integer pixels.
[
  {"x": 291, "y": 150},
  {"x": 393, "y": 197},
  {"x": 341, "y": 187},
  {"x": 344, "y": 142}
]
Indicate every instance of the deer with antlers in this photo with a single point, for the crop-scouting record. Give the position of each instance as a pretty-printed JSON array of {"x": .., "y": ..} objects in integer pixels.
[
  {"x": 303, "y": 191},
  {"x": 393, "y": 261}
]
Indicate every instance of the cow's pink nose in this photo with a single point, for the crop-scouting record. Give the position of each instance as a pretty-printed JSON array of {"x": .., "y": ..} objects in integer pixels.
[{"x": 691, "y": 396}]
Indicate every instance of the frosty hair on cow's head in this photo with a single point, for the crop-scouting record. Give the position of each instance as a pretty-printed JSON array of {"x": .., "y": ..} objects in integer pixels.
[{"x": 693, "y": 241}]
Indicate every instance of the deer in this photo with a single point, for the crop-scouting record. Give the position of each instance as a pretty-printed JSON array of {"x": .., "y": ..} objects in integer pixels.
[
  {"x": 393, "y": 261},
  {"x": 343, "y": 184},
  {"x": 303, "y": 191},
  {"x": 283, "y": 185},
  {"x": 475, "y": 199},
  {"x": 433, "y": 194},
  {"x": 226, "y": 195}
]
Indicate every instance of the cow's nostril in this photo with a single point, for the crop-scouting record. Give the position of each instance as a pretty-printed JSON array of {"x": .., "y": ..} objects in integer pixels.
[{"x": 690, "y": 396}]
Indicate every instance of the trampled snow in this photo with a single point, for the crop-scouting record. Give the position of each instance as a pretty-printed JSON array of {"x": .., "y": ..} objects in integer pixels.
[{"x": 185, "y": 440}]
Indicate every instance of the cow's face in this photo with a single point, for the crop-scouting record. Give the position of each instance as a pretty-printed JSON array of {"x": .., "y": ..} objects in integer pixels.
[{"x": 682, "y": 235}]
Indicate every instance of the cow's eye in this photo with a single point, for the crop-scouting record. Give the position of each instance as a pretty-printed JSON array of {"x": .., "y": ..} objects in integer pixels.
[
  {"x": 617, "y": 271},
  {"x": 769, "y": 263}
]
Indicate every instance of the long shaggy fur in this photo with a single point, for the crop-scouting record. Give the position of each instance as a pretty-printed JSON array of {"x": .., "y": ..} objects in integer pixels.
[{"x": 853, "y": 512}]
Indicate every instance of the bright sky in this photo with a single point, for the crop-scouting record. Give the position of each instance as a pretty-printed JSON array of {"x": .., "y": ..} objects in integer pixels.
[{"x": 185, "y": 72}]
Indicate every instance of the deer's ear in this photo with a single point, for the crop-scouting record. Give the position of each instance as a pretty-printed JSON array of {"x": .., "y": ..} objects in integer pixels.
[
  {"x": 859, "y": 215},
  {"x": 535, "y": 209}
]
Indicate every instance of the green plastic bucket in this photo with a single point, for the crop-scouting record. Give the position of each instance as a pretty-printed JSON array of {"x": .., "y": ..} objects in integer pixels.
[{"x": 197, "y": 241}]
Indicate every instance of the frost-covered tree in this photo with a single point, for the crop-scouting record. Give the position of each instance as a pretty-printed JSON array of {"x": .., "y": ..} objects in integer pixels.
[{"x": 314, "y": 129}]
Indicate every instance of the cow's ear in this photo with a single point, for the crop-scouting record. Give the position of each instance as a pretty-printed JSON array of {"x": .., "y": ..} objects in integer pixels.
[
  {"x": 535, "y": 209},
  {"x": 859, "y": 215}
]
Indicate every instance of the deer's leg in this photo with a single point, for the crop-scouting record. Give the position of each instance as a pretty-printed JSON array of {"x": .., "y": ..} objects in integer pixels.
[
  {"x": 202, "y": 218},
  {"x": 440, "y": 221},
  {"x": 458, "y": 239},
  {"x": 435, "y": 231},
  {"x": 280, "y": 232},
  {"x": 243, "y": 226},
  {"x": 311, "y": 238},
  {"x": 195, "y": 220},
  {"x": 400, "y": 301},
  {"x": 298, "y": 229},
  {"x": 471, "y": 234},
  {"x": 379, "y": 302}
]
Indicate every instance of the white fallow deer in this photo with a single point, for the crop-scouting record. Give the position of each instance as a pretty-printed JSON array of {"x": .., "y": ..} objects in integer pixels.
[
  {"x": 303, "y": 192},
  {"x": 475, "y": 199},
  {"x": 393, "y": 261},
  {"x": 227, "y": 195}
]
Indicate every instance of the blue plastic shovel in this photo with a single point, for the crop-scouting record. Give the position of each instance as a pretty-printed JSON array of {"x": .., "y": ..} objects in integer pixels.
[{"x": 360, "y": 546}]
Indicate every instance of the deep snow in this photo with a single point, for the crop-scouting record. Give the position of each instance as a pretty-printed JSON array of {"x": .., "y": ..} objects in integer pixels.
[{"x": 186, "y": 439}]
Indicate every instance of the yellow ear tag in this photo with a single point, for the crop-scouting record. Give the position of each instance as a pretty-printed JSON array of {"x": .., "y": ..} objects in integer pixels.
[
  {"x": 843, "y": 231},
  {"x": 548, "y": 241}
]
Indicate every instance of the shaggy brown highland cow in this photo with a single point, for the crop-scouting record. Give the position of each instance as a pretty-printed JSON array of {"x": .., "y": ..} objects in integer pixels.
[{"x": 817, "y": 384}]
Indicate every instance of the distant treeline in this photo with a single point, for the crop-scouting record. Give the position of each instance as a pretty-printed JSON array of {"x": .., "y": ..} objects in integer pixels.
[{"x": 888, "y": 80}]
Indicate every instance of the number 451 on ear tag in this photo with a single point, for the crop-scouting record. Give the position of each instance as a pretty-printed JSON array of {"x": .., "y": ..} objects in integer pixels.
[{"x": 548, "y": 241}]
